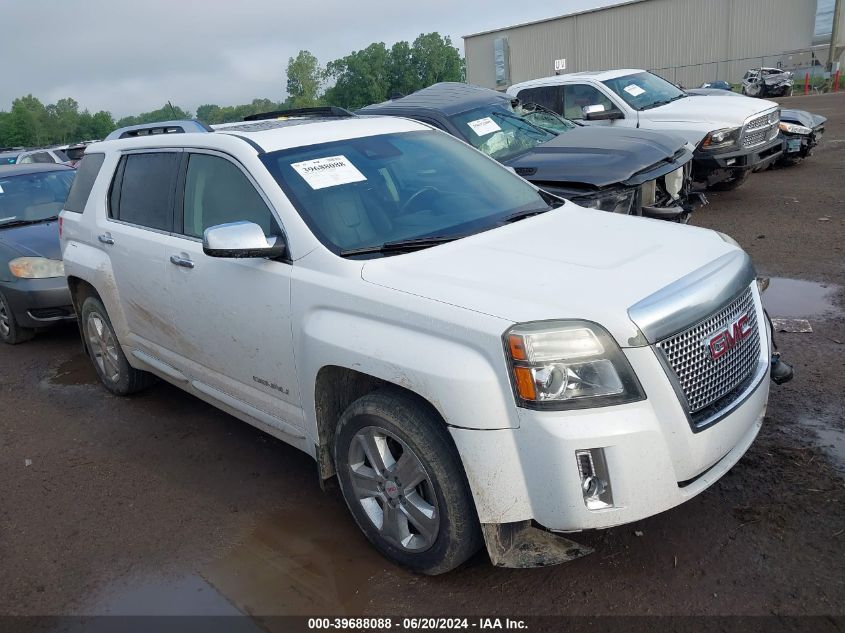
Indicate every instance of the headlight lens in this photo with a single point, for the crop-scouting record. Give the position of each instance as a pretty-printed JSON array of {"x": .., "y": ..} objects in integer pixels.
[
  {"x": 36, "y": 268},
  {"x": 794, "y": 129},
  {"x": 614, "y": 201},
  {"x": 721, "y": 139},
  {"x": 568, "y": 365}
]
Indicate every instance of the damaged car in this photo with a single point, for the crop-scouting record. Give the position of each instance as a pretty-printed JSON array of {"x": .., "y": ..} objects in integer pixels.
[
  {"x": 632, "y": 172},
  {"x": 732, "y": 137},
  {"x": 767, "y": 82}
]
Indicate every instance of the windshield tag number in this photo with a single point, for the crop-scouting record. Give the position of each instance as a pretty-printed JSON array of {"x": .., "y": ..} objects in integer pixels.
[{"x": 483, "y": 127}]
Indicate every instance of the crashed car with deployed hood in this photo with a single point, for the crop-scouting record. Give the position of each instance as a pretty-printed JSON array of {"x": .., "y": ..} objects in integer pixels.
[
  {"x": 767, "y": 82},
  {"x": 635, "y": 172},
  {"x": 732, "y": 137}
]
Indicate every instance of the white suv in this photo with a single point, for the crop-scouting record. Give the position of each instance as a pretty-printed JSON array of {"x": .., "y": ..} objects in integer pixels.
[{"x": 477, "y": 361}]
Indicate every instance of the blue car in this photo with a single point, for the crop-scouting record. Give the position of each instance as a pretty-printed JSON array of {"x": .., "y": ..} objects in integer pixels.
[
  {"x": 718, "y": 85},
  {"x": 33, "y": 290}
]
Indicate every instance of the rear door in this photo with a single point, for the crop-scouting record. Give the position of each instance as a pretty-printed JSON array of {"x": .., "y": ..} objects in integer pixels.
[
  {"x": 232, "y": 316},
  {"x": 139, "y": 219}
]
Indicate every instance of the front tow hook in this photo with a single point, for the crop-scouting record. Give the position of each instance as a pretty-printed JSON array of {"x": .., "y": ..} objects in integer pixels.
[{"x": 780, "y": 371}]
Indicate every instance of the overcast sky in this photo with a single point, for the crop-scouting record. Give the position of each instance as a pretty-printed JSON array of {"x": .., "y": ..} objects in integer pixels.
[{"x": 132, "y": 56}]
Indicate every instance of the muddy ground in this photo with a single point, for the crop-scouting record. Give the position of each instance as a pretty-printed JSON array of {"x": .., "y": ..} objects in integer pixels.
[{"x": 162, "y": 504}]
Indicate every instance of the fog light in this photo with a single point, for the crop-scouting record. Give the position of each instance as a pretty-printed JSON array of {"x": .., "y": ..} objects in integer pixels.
[{"x": 595, "y": 480}]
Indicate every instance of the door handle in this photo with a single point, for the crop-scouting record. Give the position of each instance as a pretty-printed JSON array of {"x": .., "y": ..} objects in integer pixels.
[
  {"x": 106, "y": 238},
  {"x": 181, "y": 261}
]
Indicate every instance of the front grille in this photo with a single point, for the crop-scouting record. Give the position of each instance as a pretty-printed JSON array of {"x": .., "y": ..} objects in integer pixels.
[
  {"x": 706, "y": 382},
  {"x": 761, "y": 129}
]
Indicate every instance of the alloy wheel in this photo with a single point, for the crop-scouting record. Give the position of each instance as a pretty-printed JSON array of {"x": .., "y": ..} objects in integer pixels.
[
  {"x": 5, "y": 324},
  {"x": 394, "y": 489},
  {"x": 103, "y": 347}
]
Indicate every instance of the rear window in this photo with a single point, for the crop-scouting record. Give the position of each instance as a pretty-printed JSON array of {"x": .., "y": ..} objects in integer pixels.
[
  {"x": 86, "y": 174},
  {"x": 144, "y": 190}
]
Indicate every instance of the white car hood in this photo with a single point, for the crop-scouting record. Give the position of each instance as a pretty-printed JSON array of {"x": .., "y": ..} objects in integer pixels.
[
  {"x": 570, "y": 263},
  {"x": 712, "y": 112}
]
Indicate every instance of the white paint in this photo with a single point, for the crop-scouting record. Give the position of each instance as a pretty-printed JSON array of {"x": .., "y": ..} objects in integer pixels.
[{"x": 560, "y": 64}]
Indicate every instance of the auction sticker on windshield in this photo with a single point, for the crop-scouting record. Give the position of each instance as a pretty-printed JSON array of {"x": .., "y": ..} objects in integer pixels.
[
  {"x": 634, "y": 90},
  {"x": 328, "y": 172},
  {"x": 483, "y": 127}
]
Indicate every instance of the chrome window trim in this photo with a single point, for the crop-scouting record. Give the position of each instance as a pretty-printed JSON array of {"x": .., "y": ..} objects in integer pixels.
[{"x": 693, "y": 297}]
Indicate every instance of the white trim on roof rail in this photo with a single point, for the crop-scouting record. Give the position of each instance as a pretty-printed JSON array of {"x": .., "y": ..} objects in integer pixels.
[{"x": 167, "y": 127}]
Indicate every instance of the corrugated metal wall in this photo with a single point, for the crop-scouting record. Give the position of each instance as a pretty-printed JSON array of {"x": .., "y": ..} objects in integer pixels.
[{"x": 664, "y": 35}]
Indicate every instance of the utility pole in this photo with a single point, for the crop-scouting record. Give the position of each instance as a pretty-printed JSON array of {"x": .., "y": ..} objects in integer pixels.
[{"x": 834, "y": 34}]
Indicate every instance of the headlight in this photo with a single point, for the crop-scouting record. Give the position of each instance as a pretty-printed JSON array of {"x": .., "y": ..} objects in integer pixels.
[
  {"x": 614, "y": 201},
  {"x": 721, "y": 139},
  {"x": 36, "y": 268},
  {"x": 791, "y": 128},
  {"x": 568, "y": 365}
]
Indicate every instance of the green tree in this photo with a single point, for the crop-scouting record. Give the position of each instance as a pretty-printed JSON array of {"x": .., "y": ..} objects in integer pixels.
[
  {"x": 167, "y": 112},
  {"x": 435, "y": 59},
  {"x": 402, "y": 76},
  {"x": 305, "y": 78},
  {"x": 63, "y": 120},
  {"x": 361, "y": 78}
]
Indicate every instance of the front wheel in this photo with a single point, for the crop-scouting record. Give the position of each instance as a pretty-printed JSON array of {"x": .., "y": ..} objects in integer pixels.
[
  {"x": 731, "y": 183},
  {"x": 403, "y": 482},
  {"x": 11, "y": 332}
]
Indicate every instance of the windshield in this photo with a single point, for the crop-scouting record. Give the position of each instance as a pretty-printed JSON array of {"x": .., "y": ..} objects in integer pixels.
[
  {"x": 498, "y": 132},
  {"x": 365, "y": 192},
  {"x": 642, "y": 91},
  {"x": 33, "y": 197},
  {"x": 544, "y": 118}
]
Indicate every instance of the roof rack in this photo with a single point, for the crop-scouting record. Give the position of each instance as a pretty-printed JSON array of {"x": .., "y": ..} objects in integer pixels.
[
  {"x": 161, "y": 127},
  {"x": 322, "y": 111}
]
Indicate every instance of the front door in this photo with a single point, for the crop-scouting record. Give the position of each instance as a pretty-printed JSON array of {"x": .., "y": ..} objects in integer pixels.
[
  {"x": 577, "y": 96},
  {"x": 232, "y": 316}
]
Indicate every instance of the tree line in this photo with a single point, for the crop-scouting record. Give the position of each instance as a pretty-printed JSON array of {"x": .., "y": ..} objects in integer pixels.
[{"x": 373, "y": 74}]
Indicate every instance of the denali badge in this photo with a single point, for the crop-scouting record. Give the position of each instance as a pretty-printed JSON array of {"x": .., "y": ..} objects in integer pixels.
[{"x": 727, "y": 338}]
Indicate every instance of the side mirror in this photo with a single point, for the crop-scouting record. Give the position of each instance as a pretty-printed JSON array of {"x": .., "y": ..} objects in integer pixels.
[
  {"x": 598, "y": 112},
  {"x": 238, "y": 240}
]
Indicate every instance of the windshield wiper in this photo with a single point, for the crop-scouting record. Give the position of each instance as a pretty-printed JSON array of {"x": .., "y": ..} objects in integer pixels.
[
  {"x": 23, "y": 222},
  {"x": 657, "y": 104},
  {"x": 521, "y": 215},
  {"x": 530, "y": 127},
  {"x": 401, "y": 246}
]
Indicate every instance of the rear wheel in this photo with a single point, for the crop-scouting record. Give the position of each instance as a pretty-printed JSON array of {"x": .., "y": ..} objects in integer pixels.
[
  {"x": 10, "y": 332},
  {"x": 114, "y": 370},
  {"x": 402, "y": 480}
]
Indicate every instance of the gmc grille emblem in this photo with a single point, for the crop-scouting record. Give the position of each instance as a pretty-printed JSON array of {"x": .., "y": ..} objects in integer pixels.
[{"x": 722, "y": 341}]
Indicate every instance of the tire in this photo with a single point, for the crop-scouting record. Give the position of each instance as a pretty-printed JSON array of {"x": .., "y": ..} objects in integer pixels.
[
  {"x": 105, "y": 352},
  {"x": 434, "y": 527},
  {"x": 11, "y": 332},
  {"x": 731, "y": 183}
]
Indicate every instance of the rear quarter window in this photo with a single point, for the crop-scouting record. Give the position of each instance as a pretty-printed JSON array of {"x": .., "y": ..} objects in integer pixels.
[{"x": 86, "y": 174}]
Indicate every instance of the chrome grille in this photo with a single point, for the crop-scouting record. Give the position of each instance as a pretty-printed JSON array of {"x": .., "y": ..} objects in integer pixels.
[
  {"x": 760, "y": 129},
  {"x": 703, "y": 380}
]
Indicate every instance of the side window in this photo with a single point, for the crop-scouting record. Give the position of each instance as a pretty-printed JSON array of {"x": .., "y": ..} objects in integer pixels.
[
  {"x": 42, "y": 157},
  {"x": 144, "y": 189},
  {"x": 86, "y": 174},
  {"x": 546, "y": 96},
  {"x": 577, "y": 96},
  {"x": 217, "y": 192}
]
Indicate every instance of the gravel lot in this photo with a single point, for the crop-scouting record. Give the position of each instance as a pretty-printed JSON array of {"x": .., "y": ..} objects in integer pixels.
[{"x": 162, "y": 504}]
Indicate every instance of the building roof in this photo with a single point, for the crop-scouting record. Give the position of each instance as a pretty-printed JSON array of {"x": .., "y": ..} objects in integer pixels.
[
  {"x": 446, "y": 97},
  {"x": 552, "y": 19}
]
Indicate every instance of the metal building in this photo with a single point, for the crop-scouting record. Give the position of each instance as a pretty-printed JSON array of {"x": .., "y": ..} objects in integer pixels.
[{"x": 685, "y": 41}]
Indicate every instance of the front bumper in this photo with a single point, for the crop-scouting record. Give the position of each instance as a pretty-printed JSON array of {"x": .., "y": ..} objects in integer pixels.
[
  {"x": 712, "y": 168},
  {"x": 39, "y": 302},
  {"x": 654, "y": 460},
  {"x": 800, "y": 145}
]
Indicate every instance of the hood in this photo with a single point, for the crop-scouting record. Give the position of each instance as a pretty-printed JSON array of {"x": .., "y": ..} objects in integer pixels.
[
  {"x": 569, "y": 263},
  {"x": 597, "y": 156},
  {"x": 802, "y": 117},
  {"x": 711, "y": 112},
  {"x": 777, "y": 78},
  {"x": 34, "y": 240}
]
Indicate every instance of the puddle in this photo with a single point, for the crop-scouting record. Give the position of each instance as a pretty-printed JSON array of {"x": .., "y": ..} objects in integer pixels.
[
  {"x": 830, "y": 440},
  {"x": 77, "y": 370},
  {"x": 303, "y": 561},
  {"x": 797, "y": 298}
]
